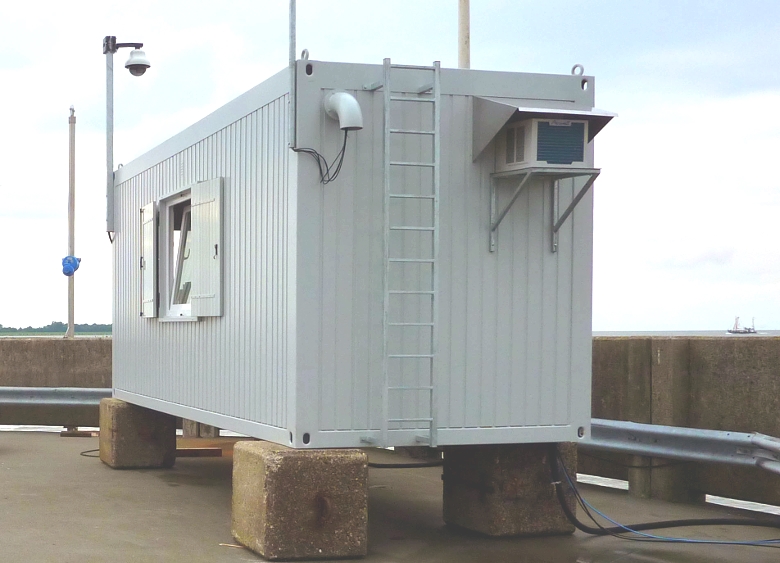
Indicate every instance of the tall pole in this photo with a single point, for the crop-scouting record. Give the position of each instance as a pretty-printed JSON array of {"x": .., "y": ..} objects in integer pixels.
[
  {"x": 71, "y": 220},
  {"x": 464, "y": 35},
  {"x": 109, "y": 46}
]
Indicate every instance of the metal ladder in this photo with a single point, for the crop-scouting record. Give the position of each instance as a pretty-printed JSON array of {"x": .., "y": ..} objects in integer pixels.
[{"x": 396, "y": 328}]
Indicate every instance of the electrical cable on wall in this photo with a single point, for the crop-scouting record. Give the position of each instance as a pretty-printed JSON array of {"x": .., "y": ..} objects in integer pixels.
[
  {"x": 328, "y": 172},
  {"x": 620, "y": 530}
]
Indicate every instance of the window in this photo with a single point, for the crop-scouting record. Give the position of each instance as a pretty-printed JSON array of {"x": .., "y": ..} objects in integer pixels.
[
  {"x": 182, "y": 275},
  {"x": 180, "y": 259}
]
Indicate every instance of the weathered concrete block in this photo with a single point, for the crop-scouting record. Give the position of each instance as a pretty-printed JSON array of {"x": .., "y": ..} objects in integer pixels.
[
  {"x": 135, "y": 437},
  {"x": 192, "y": 429},
  {"x": 300, "y": 504},
  {"x": 505, "y": 490}
]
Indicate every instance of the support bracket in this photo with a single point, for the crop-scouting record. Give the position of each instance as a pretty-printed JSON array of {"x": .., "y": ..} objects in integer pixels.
[
  {"x": 524, "y": 175},
  {"x": 559, "y": 221}
]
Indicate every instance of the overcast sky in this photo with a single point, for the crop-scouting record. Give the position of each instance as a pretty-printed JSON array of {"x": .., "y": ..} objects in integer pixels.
[{"x": 687, "y": 212}]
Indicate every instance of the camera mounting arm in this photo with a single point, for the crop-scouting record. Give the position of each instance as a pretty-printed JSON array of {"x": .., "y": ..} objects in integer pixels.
[{"x": 111, "y": 46}]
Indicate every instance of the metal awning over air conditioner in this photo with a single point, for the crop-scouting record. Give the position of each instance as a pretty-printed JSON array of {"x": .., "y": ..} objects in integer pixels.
[{"x": 491, "y": 114}]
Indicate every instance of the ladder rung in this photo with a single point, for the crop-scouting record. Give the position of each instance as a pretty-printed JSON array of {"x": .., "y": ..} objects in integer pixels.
[
  {"x": 411, "y": 196},
  {"x": 412, "y": 132},
  {"x": 404, "y": 163},
  {"x": 413, "y": 67},
  {"x": 409, "y": 420},
  {"x": 410, "y": 355},
  {"x": 410, "y": 99},
  {"x": 409, "y": 292},
  {"x": 413, "y": 260},
  {"x": 410, "y": 324},
  {"x": 410, "y": 228},
  {"x": 412, "y": 388}
]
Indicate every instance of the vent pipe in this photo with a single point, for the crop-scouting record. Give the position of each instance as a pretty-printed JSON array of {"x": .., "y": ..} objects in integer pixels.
[{"x": 345, "y": 108}]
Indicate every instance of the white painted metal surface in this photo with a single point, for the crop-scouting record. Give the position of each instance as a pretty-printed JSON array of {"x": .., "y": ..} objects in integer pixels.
[
  {"x": 148, "y": 261},
  {"x": 297, "y": 355},
  {"x": 206, "y": 248}
]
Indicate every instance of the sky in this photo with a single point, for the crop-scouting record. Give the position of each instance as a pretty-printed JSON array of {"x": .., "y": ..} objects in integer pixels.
[{"x": 687, "y": 207}]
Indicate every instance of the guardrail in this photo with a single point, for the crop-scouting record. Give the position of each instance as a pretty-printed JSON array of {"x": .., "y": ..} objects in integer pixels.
[
  {"x": 651, "y": 440},
  {"x": 688, "y": 444},
  {"x": 53, "y": 396}
]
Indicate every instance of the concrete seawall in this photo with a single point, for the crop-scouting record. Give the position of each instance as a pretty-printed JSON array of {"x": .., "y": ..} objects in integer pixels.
[
  {"x": 53, "y": 362},
  {"x": 718, "y": 383}
]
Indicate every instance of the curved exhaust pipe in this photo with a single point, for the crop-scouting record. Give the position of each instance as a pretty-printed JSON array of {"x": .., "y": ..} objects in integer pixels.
[{"x": 346, "y": 109}]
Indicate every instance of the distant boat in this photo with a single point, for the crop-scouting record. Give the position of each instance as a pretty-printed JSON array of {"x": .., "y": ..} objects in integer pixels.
[{"x": 736, "y": 329}]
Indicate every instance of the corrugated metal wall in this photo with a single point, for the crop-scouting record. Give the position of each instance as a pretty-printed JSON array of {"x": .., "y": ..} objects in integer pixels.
[
  {"x": 506, "y": 317},
  {"x": 340, "y": 269},
  {"x": 510, "y": 322},
  {"x": 237, "y": 364}
]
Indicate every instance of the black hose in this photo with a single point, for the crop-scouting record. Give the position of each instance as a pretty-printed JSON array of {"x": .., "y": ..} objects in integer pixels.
[{"x": 603, "y": 531}]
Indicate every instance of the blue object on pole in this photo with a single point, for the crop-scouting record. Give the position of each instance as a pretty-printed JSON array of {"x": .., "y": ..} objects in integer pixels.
[{"x": 70, "y": 264}]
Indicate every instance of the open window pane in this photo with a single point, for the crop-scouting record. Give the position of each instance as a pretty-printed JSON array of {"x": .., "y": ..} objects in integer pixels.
[
  {"x": 180, "y": 264},
  {"x": 183, "y": 284}
]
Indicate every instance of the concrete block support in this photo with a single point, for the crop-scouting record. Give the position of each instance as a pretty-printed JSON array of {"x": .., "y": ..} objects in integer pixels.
[
  {"x": 300, "y": 504},
  {"x": 192, "y": 429},
  {"x": 135, "y": 437},
  {"x": 505, "y": 490}
]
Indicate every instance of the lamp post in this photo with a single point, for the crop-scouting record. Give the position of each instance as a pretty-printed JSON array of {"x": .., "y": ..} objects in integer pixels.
[{"x": 137, "y": 65}]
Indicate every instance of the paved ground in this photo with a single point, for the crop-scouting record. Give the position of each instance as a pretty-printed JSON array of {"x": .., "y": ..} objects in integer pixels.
[{"x": 56, "y": 505}]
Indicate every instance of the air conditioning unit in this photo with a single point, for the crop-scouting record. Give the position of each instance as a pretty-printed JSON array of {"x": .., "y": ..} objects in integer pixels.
[{"x": 542, "y": 143}]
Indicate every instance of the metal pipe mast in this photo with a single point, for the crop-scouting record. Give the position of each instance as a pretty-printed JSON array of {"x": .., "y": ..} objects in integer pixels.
[
  {"x": 110, "y": 47},
  {"x": 71, "y": 219},
  {"x": 464, "y": 34}
]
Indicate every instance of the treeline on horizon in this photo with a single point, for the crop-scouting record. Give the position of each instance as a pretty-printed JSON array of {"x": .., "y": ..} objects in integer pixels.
[{"x": 57, "y": 327}]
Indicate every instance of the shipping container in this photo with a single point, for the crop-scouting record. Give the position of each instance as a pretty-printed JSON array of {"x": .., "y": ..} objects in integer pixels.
[{"x": 391, "y": 256}]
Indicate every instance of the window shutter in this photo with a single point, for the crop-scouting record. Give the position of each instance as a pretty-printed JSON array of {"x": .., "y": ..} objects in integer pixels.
[
  {"x": 148, "y": 261},
  {"x": 207, "y": 248}
]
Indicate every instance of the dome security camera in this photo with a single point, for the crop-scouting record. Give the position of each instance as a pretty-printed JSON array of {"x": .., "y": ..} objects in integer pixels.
[{"x": 137, "y": 63}]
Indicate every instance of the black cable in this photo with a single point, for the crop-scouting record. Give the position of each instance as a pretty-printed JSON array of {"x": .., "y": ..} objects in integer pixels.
[
  {"x": 339, "y": 156},
  {"x": 554, "y": 461},
  {"x": 437, "y": 463},
  {"x": 326, "y": 176},
  {"x": 86, "y": 453},
  {"x": 637, "y": 536}
]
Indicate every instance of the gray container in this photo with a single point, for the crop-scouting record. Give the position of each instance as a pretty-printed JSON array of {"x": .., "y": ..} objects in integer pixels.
[{"x": 292, "y": 331}]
